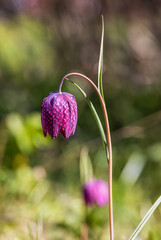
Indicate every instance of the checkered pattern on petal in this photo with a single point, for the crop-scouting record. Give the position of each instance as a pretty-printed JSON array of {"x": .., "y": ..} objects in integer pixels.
[
  {"x": 70, "y": 115},
  {"x": 59, "y": 114}
]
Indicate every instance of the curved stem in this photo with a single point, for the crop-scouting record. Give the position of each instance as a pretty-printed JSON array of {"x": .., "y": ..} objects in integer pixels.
[{"x": 108, "y": 142}]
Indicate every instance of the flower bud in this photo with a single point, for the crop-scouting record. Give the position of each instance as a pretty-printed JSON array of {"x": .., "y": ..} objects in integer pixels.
[{"x": 96, "y": 192}]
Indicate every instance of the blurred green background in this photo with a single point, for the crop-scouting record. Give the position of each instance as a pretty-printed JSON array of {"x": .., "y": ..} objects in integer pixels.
[{"x": 40, "y": 187}]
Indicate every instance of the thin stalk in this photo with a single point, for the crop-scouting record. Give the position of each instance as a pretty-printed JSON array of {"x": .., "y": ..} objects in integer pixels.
[
  {"x": 95, "y": 115},
  {"x": 84, "y": 232},
  {"x": 145, "y": 219},
  {"x": 108, "y": 143},
  {"x": 85, "y": 228}
]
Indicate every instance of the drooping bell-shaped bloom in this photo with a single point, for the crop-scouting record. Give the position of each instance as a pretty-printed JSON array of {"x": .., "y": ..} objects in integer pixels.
[
  {"x": 96, "y": 192},
  {"x": 59, "y": 114}
]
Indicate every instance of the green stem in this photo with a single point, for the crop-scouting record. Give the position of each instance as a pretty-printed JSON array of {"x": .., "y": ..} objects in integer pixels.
[
  {"x": 95, "y": 114},
  {"x": 145, "y": 219},
  {"x": 108, "y": 142}
]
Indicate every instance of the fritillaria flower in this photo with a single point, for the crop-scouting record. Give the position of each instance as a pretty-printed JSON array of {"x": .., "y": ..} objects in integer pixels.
[
  {"x": 59, "y": 114},
  {"x": 96, "y": 192}
]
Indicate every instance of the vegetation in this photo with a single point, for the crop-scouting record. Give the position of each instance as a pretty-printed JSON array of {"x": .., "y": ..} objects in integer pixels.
[{"x": 40, "y": 186}]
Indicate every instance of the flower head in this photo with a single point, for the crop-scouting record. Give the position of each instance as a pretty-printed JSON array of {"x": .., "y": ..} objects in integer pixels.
[
  {"x": 59, "y": 114},
  {"x": 96, "y": 192}
]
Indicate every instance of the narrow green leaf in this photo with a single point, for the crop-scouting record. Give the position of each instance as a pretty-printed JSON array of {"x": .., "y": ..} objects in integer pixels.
[
  {"x": 31, "y": 237},
  {"x": 95, "y": 114},
  {"x": 145, "y": 219},
  {"x": 100, "y": 63},
  {"x": 85, "y": 166}
]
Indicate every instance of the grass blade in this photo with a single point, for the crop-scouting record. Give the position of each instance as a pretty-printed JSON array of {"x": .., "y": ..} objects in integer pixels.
[
  {"x": 145, "y": 219},
  {"x": 85, "y": 166},
  {"x": 31, "y": 237},
  {"x": 95, "y": 114},
  {"x": 100, "y": 63}
]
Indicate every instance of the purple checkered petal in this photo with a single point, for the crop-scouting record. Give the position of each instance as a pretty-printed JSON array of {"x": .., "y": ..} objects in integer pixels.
[
  {"x": 70, "y": 115},
  {"x": 59, "y": 114},
  {"x": 73, "y": 112}
]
